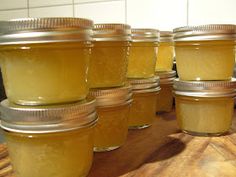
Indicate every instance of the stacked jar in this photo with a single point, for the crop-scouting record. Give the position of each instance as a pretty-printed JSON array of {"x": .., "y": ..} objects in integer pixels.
[
  {"x": 107, "y": 82},
  {"x": 205, "y": 90},
  {"x": 141, "y": 75},
  {"x": 164, "y": 70},
  {"x": 48, "y": 120}
]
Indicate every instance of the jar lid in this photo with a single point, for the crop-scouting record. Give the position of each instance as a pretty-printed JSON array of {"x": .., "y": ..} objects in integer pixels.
[
  {"x": 111, "y": 96},
  {"x": 145, "y": 35},
  {"x": 112, "y": 32},
  {"x": 44, "y": 30},
  {"x": 166, "y": 77},
  {"x": 47, "y": 119},
  {"x": 205, "y": 88},
  {"x": 205, "y": 32},
  {"x": 145, "y": 84},
  {"x": 166, "y": 36}
]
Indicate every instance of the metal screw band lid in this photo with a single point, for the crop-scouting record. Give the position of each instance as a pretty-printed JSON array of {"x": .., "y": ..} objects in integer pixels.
[
  {"x": 205, "y": 88},
  {"x": 166, "y": 77},
  {"x": 145, "y": 35},
  {"x": 43, "y": 30},
  {"x": 166, "y": 36},
  {"x": 205, "y": 32},
  {"x": 46, "y": 119},
  {"x": 144, "y": 84},
  {"x": 112, "y": 32}
]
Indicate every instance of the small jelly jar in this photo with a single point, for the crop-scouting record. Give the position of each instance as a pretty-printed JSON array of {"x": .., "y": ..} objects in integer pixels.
[
  {"x": 204, "y": 108},
  {"x": 165, "y": 97},
  {"x": 50, "y": 141},
  {"x": 205, "y": 52},
  {"x": 113, "y": 106},
  {"x": 109, "y": 59},
  {"x": 143, "y": 53},
  {"x": 45, "y": 60},
  {"x": 143, "y": 108},
  {"x": 165, "y": 54}
]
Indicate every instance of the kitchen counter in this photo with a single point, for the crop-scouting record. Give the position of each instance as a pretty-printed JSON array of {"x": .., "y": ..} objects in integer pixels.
[{"x": 163, "y": 151}]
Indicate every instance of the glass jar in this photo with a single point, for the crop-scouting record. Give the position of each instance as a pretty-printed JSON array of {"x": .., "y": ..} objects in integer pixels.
[
  {"x": 143, "y": 108},
  {"x": 165, "y": 97},
  {"x": 143, "y": 53},
  {"x": 50, "y": 141},
  {"x": 165, "y": 55},
  {"x": 205, "y": 52},
  {"x": 204, "y": 108},
  {"x": 113, "y": 105},
  {"x": 109, "y": 59},
  {"x": 45, "y": 60}
]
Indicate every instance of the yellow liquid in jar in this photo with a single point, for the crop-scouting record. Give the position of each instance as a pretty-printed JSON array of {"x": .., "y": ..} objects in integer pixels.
[
  {"x": 165, "y": 57},
  {"x": 65, "y": 154},
  {"x": 165, "y": 98},
  {"x": 38, "y": 74},
  {"x": 108, "y": 64},
  {"x": 142, "y": 60},
  {"x": 143, "y": 110},
  {"x": 209, "y": 60},
  {"x": 112, "y": 127},
  {"x": 204, "y": 116}
]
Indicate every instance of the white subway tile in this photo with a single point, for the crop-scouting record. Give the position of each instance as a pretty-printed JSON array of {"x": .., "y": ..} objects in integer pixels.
[
  {"x": 57, "y": 11},
  {"x": 13, "y": 4},
  {"x": 212, "y": 11},
  {"x": 12, "y": 14},
  {"x": 89, "y": 1},
  {"x": 160, "y": 14},
  {"x": 39, "y": 3},
  {"x": 102, "y": 12}
]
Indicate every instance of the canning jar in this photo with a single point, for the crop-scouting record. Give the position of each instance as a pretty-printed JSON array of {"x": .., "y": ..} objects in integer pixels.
[
  {"x": 113, "y": 105},
  {"x": 143, "y": 108},
  {"x": 204, "y": 108},
  {"x": 165, "y": 54},
  {"x": 143, "y": 53},
  {"x": 45, "y": 60},
  {"x": 205, "y": 52},
  {"x": 165, "y": 97},
  {"x": 50, "y": 141},
  {"x": 109, "y": 59}
]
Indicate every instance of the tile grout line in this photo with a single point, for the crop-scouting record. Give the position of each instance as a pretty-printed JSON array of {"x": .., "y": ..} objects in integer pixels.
[
  {"x": 28, "y": 9},
  {"x": 126, "y": 20},
  {"x": 73, "y": 7},
  {"x": 187, "y": 12}
]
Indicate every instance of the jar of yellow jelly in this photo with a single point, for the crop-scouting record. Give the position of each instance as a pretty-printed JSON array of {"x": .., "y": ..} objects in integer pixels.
[
  {"x": 45, "y": 60},
  {"x": 113, "y": 105},
  {"x": 50, "y": 141},
  {"x": 205, "y": 52},
  {"x": 143, "y": 108},
  {"x": 204, "y": 108},
  {"x": 109, "y": 59},
  {"x": 165, "y": 97},
  {"x": 143, "y": 53},
  {"x": 165, "y": 54}
]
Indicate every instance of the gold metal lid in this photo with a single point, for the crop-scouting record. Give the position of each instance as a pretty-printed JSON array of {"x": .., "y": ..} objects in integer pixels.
[
  {"x": 205, "y": 88},
  {"x": 166, "y": 77},
  {"x": 145, "y": 35},
  {"x": 166, "y": 36},
  {"x": 112, "y": 32},
  {"x": 47, "y": 119},
  {"x": 44, "y": 30},
  {"x": 205, "y": 32},
  {"x": 111, "y": 96}
]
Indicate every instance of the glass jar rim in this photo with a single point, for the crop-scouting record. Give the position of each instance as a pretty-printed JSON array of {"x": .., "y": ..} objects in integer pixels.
[
  {"x": 166, "y": 36},
  {"x": 145, "y": 35}
]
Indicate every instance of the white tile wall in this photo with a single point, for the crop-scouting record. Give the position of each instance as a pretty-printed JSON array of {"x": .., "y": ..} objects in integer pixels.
[
  {"x": 13, "y": 4},
  {"x": 11, "y": 14},
  {"x": 39, "y": 3},
  {"x": 102, "y": 12}
]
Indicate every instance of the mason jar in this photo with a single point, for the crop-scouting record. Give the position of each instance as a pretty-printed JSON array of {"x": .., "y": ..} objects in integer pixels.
[{"x": 50, "y": 141}]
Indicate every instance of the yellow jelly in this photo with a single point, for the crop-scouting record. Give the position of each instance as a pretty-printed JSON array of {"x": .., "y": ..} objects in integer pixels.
[{"x": 165, "y": 98}]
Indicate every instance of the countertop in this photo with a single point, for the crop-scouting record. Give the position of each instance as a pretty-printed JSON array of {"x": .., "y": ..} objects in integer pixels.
[{"x": 163, "y": 151}]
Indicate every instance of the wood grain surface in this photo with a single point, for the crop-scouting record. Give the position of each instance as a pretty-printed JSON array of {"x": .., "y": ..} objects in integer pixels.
[{"x": 163, "y": 151}]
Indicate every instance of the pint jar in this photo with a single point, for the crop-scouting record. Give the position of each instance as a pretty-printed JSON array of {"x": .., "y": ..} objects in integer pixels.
[
  {"x": 50, "y": 141},
  {"x": 143, "y": 53},
  {"x": 109, "y": 59},
  {"x": 165, "y": 54},
  {"x": 165, "y": 97},
  {"x": 205, "y": 52},
  {"x": 143, "y": 108},
  {"x": 204, "y": 108},
  {"x": 113, "y": 106},
  {"x": 45, "y": 60}
]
